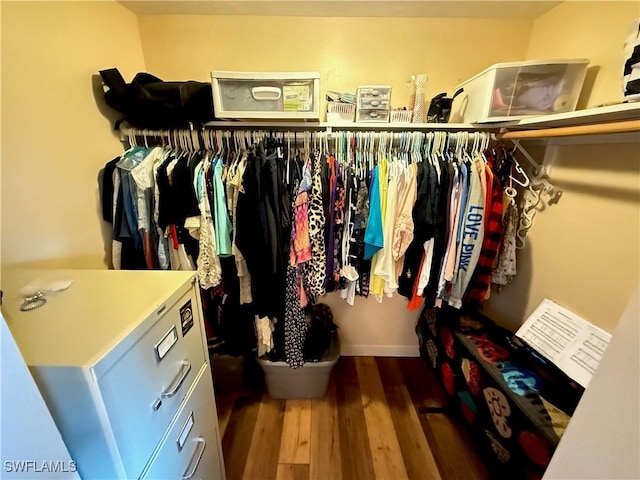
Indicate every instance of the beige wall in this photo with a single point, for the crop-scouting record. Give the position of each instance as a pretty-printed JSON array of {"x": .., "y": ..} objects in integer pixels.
[
  {"x": 593, "y": 30},
  {"x": 346, "y": 51},
  {"x": 583, "y": 252},
  {"x": 54, "y": 138}
]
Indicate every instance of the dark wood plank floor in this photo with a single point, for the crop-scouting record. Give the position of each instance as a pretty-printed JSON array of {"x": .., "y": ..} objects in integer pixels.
[{"x": 382, "y": 419}]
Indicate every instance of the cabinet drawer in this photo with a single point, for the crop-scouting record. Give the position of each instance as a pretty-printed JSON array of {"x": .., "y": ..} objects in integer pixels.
[
  {"x": 144, "y": 388},
  {"x": 191, "y": 450},
  {"x": 372, "y": 115}
]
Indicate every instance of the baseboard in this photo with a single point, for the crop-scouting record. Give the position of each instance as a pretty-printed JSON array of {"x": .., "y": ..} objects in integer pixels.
[{"x": 379, "y": 350}]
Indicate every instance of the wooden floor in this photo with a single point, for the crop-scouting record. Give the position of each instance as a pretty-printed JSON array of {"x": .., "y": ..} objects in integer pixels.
[{"x": 382, "y": 418}]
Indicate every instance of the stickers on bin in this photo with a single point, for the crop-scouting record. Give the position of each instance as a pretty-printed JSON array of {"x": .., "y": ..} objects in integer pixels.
[
  {"x": 186, "y": 317},
  {"x": 489, "y": 351},
  {"x": 298, "y": 97},
  {"x": 471, "y": 373},
  {"x": 499, "y": 409},
  {"x": 519, "y": 380}
]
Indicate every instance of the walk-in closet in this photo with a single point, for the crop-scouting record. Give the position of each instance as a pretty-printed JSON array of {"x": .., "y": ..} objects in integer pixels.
[{"x": 331, "y": 295}]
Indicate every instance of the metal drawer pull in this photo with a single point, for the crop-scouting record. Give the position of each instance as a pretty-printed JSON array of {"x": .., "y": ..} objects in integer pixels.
[
  {"x": 192, "y": 471},
  {"x": 185, "y": 369}
]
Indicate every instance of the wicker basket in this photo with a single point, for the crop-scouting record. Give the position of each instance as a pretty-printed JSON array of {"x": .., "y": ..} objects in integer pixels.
[
  {"x": 338, "y": 112},
  {"x": 401, "y": 116}
]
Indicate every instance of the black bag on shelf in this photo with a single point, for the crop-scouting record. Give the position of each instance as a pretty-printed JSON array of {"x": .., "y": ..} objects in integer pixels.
[{"x": 149, "y": 102}]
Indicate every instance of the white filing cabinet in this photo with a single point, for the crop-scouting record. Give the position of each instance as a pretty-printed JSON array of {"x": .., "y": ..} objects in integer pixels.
[{"x": 121, "y": 360}]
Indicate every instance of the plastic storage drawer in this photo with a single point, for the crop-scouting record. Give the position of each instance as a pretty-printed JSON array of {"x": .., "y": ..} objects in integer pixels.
[
  {"x": 373, "y": 103},
  {"x": 274, "y": 95},
  {"x": 510, "y": 91}
]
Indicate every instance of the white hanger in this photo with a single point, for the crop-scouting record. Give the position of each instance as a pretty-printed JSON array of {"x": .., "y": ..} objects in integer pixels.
[{"x": 523, "y": 183}]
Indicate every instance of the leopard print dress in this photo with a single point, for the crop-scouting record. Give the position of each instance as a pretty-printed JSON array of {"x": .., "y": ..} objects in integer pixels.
[{"x": 316, "y": 268}]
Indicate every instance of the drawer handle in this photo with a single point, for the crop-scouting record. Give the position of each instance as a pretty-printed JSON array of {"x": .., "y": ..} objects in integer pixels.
[
  {"x": 182, "y": 376},
  {"x": 266, "y": 93},
  {"x": 192, "y": 471}
]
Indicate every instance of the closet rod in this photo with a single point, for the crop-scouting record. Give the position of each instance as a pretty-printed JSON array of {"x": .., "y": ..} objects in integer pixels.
[{"x": 595, "y": 129}]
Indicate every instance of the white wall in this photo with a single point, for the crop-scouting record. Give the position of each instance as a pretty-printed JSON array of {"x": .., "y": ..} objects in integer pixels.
[
  {"x": 28, "y": 432},
  {"x": 603, "y": 437}
]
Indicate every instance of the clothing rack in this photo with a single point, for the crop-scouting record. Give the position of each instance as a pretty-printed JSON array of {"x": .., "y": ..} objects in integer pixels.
[
  {"x": 323, "y": 138},
  {"x": 411, "y": 145},
  {"x": 628, "y": 126}
]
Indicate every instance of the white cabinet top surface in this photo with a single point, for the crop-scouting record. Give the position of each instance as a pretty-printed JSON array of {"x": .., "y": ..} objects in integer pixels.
[{"x": 79, "y": 325}]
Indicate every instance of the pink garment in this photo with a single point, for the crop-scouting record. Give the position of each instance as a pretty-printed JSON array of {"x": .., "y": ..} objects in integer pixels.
[{"x": 300, "y": 250}]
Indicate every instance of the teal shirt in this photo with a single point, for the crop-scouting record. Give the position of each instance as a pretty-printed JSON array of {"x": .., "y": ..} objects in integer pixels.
[
  {"x": 221, "y": 218},
  {"x": 373, "y": 235}
]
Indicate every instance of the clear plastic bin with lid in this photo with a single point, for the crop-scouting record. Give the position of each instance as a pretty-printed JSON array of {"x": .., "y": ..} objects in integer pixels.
[{"x": 509, "y": 91}]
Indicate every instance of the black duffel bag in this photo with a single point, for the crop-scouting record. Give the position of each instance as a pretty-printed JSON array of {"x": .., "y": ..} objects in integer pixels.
[{"x": 148, "y": 102}]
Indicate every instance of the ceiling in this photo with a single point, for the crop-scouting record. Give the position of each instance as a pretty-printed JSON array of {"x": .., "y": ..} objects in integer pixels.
[{"x": 352, "y": 8}]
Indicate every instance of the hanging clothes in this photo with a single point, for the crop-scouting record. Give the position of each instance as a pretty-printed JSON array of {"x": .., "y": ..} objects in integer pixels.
[
  {"x": 339, "y": 204},
  {"x": 257, "y": 233},
  {"x": 478, "y": 289},
  {"x": 209, "y": 270},
  {"x": 505, "y": 268},
  {"x": 404, "y": 226},
  {"x": 222, "y": 221},
  {"x": 235, "y": 186},
  {"x": 316, "y": 268},
  {"x": 472, "y": 235},
  {"x": 373, "y": 235},
  {"x": 361, "y": 265},
  {"x": 430, "y": 223},
  {"x": 384, "y": 266}
]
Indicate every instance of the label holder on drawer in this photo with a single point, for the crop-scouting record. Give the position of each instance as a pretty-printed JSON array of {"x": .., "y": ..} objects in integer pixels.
[
  {"x": 168, "y": 340},
  {"x": 184, "y": 433}
]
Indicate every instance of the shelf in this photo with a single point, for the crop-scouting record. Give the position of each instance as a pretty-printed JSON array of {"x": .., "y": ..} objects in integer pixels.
[
  {"x": 609, "y": 113},
  {"x": 302, "y": 125},
  {"x": 266, "y": 124},
  {"x": 440, "y": 127},
  {"x": 612, "y": 119}
]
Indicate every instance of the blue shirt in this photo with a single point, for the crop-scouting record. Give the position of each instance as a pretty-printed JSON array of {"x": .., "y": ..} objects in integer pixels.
[{"x": 373, "y": 235}]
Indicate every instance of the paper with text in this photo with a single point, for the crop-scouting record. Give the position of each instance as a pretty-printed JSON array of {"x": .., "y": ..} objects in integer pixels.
[{"x": 572, "y": 343}]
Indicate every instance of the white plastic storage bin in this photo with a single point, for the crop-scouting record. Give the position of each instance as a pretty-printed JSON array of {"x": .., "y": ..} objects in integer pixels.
[
  {"x": 275, "y": 95},
  {"x": 509, "y": 91},
  {"x": 309, "y": 381},
  {"x": 373, "y": 103}
]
